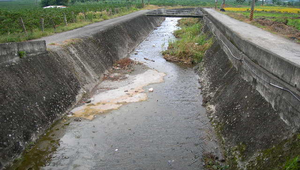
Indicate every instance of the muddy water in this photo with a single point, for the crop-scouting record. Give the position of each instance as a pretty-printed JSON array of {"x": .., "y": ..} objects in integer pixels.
[{"x": 169, "y": 130}]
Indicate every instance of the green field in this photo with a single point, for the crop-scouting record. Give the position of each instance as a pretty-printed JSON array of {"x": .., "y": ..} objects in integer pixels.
[
  {"x": 19, "y": 4},
  {"x": 83, "y": 12},
  {"x": 78, "y": 13}
]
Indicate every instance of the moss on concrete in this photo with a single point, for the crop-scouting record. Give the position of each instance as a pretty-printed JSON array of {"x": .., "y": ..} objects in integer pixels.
[{"x": 281, "y": 156}]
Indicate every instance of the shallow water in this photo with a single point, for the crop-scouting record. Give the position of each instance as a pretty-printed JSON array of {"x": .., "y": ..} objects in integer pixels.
[{"x": 169, "y": 130}]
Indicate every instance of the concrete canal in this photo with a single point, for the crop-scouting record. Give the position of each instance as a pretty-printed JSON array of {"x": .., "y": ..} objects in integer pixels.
[{"x": 164, "y": 129}]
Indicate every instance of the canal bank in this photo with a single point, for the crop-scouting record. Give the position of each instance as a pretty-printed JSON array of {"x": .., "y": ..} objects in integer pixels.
[
  {"x": 249, "y": 81},
  {"x": 40, "y": 83}
]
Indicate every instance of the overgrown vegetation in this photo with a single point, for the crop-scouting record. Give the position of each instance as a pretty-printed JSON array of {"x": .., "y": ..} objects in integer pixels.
[
  {"x": 293, "y": 164},
  {"x": 284, "y": 156},
  {"x": 22, "y": 20},
  {"x": 39, "y": 22},
  {"x": 202, "y": 3},
  {"x": 191, "y": 44},
  {"x": 212, "y": 163},
  {"x": 22, "y": 54},
  {"x": 279, "y": 20}
]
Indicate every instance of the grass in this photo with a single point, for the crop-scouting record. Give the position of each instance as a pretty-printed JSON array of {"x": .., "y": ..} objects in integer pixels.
[
  {"x": 279, "y": 20},
  {"x": 293, "y": 164},
  {"x": 291, "y": 19},
  {"x": 211, "y": 163},
  {"x": 81, "y": 20},
  {"x": 277, "y": 9},
  {"x": 22, "y": 54},
  {"x": 191, "y": 45},
  {"x": 19, "y": 4},
  {"x": 36, "y": 33},
  {"x": 287, "y": 18}
]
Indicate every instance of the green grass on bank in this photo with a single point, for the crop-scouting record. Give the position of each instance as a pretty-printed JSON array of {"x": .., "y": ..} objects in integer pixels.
[
  {"x": 19, "y": 4},
  {"x": 81, "y": 20},
  {"x": 191, "y": 45},
  {"x": 289, "y": 19}
]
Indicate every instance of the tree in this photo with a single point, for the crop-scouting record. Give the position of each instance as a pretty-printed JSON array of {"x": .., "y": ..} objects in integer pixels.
[
  {"x": 54, "y": 2},
  {"x": 223, "y": 4},
  {"x": 240, "y": 1}
]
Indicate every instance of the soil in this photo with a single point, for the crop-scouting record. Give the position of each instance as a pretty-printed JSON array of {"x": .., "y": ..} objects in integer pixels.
[
  {"x": 279, "y": 28},
  {"x": 174, "y": 59}
]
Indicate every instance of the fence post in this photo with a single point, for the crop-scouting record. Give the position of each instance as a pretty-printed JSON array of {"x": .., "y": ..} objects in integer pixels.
[
  {"x": 84, "y": 15},
  {"x": 73, "y": 17},
  {"x": 53, "y": 24},
  {"x": 252, "y": 10},
  {"x": 65, "y": 19},
  {"x": 23, "y": 25},
  {"x": 42, "y": 24}
]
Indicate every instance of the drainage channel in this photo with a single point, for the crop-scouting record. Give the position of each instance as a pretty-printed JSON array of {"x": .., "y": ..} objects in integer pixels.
[{"x": 163, "y": 129}]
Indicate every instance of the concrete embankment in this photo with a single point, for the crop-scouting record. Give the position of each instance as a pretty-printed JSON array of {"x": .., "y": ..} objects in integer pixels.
[
  {"x": 251, "y": 89},
  {"x": 38, "y": 86}
]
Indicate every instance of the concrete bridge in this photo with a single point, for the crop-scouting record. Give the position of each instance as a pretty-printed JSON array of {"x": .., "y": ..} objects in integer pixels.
[{"x": 181, "y": 12}]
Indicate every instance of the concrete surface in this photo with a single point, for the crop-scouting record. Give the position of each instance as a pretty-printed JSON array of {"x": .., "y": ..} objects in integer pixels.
[
  {"x": 260, "y": 66},
  {"x": 180, "y": 12},
  {"x": 277, "y": 55},
  {"x": 40, "y": 88},
  {"x": 10, "y": 51},
  {"x": 254, "y": 118},
  {"x": 170, "y": 130}
]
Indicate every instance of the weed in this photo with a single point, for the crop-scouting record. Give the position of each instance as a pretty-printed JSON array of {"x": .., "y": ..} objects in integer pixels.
[
  {"x": 293, "y": 164},
  {"x": 211, "y": 163},
  {"x": 22, "y": 54},
  {"x": 284, "y": 24},
  {"x": 274, "y": 9},
  {"x": 191, "y": 45},
  {"x": 123, "y": 63}
]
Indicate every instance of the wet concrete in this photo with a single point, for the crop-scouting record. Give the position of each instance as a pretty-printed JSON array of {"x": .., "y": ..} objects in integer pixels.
[{"x": 170, "y": 130}]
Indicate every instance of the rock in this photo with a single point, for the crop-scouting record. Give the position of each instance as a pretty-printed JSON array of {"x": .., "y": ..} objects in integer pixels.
[
  {"x": 89, "y": 100},
  {"x": 149, "y": 59},
  {"x": 77, "y": 119},
  {"x": 151, "y": 90}
]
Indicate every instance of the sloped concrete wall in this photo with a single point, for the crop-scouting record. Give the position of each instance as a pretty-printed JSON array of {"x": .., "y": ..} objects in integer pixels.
[
  {"x": 10, "y": 51},
  {"x": 39, "y": 88},
  {"x": 253, "y": 118}
]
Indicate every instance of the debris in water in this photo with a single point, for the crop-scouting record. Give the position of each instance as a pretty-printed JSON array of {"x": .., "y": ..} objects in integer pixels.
[
  {"x": 149, "y": 59},
  {"x": 151, "y": 90},
  {"x": 115, "y": 98},
  {"x": 77, "y": 119},
  {"x": 70, "y": 114},
  {"x": 116, "y": 68},
  {"x": 89, "y": 100}
]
